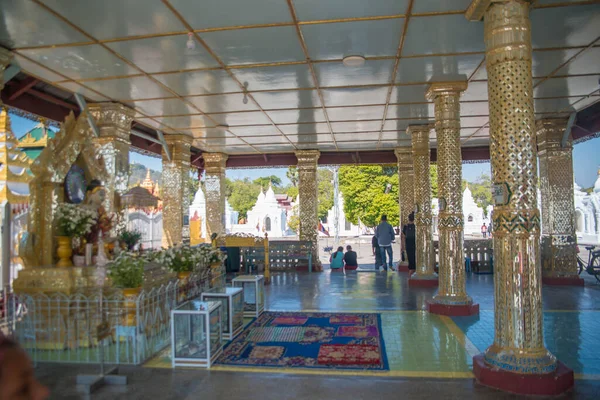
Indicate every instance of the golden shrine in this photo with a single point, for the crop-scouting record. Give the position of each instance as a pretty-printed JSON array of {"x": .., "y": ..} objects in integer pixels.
[{"x": 15, "y": 173}]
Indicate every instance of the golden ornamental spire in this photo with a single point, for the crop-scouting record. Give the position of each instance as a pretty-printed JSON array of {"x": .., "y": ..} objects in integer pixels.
[{"x": 15, "y": 174}]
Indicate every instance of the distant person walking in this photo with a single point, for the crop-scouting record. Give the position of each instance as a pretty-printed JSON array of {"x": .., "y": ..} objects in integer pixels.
[
  {"x": 336, "y": 259},
  {"x": 385, "y": 237},
  {"x": 484, "y": 230},
  {"x": 350, "y": 259},
  {"x": 409, "y": 243},
  {"x": 376, "y": 251}
]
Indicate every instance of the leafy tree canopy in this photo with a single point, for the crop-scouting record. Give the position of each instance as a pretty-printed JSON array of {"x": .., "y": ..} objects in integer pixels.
[
  {"x": 292, "y": 175},
  {"x": 325, "y": 182},
  {"x": 364, "y": 191},
  {"x": 264, "y": 181}
]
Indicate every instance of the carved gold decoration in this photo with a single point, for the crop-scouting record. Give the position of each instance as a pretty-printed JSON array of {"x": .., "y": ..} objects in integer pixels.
[
  {"x": 50, "y": 280},
  {"x": 175, "y": 174},
  {"x": 308, "y": 191},
  {"x": 114, "y": 123},
  {"x": 406, "y": 177},
  {"x": 214, "y": 183},
  {"x": 74, "y": 140},
  {"x": 518, "y": 342},
  {"x": 14, "y": 165},
  {"x": 559, "y": 241},
  {"x": 423, "y": 219},
  {"x": 452, "y": 284}
]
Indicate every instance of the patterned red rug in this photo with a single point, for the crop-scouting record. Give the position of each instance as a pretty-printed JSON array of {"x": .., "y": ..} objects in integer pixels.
[{"x": 309, "y": 340}]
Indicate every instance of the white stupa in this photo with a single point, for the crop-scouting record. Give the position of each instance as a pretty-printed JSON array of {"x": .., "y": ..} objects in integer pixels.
[
  {"x": 198, "y": 210},
  {"x": 473, "y": 214},
  {"x": 267, "y": 216},
  {"x": 346, "y": 228}
]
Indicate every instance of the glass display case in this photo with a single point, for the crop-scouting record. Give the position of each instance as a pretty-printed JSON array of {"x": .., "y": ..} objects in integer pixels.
[
  {"x": 232, "y": 307},
  {"x": 254, "y": 293},
  {"x": 196, "y": 334}
]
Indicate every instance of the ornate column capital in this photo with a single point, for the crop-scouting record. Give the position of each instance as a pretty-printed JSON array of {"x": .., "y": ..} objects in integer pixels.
[
  {"x": 477, "y": 8},
  {"x": 404, "y": 156},
  {"x": 179, "y": 145},
  {"x": 307, "y": 158},
  {"x": 549, "y": 134},
  {"x": 445, "y": 89},
  {"x": 420, "y": 138},
  {"x": 214, "y": 163},
  {"x": 113, "y": 120}
]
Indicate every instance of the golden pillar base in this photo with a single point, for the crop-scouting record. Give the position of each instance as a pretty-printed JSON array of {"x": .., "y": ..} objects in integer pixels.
[{"x": 52, "y": 280}]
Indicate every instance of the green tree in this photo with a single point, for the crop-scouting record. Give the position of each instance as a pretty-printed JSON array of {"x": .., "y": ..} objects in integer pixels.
[
  {"x": 292, "y": 191},
  {"x": 292, "y": 175},
  {"x": 264, "y": 181},
  {"x": 243, "y": 195},
  {"x": 482, "y": 192},
  {"x": 363, "y": 188},
  {"x": 325, "y": 183},
  {"x": 193, "y": 184}
]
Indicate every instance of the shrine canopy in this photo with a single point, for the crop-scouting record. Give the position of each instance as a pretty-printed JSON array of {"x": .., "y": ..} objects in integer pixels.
[{"x": 261, "y": 79}]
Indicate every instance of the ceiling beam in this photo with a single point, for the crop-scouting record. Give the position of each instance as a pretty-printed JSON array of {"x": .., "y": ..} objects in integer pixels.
[
  {"x": 22, "y": 87},
  {"x": 52, "y": 99}
]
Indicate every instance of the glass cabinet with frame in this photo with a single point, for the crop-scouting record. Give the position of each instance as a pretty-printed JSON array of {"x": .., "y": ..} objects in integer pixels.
[
  {"x": 196, "y": 334},
  {"x": 254, "y": 293},
  {"x": 232, "y": 306}
]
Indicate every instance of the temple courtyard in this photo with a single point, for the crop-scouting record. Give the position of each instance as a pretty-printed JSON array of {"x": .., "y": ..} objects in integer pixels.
[{"x": 428, "y": 355}]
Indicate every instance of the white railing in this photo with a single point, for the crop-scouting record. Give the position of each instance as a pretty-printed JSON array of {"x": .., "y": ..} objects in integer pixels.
[{"x": 63, "y": 329}]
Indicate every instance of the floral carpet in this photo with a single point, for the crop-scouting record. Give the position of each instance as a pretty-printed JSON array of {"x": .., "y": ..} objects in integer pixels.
[{"x": 309, "y": 340}]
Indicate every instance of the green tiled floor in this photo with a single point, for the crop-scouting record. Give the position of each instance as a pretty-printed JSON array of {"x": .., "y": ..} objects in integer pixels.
[{"x": 417, "y": 341}]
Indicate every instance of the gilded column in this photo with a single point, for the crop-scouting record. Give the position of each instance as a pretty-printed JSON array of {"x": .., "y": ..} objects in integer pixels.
[
  {"x": 518, "y": 346},
  {"x": 175, "y": 190},
  {"x": 114, "y": 123},
  {"x": 425, "y": 274},
  {"x": 559, "y": 240},
  {"x": 308, "y": 193},
  {"x": 451, "y": 298},
  {"x": 214, "y": 183},
  {"x": 406, "y": 177}
]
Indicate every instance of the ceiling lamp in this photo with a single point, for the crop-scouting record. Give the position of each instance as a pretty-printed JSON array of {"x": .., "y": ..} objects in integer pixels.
[
  {"x": 190, "y": 42},
  {"x": 354, "y": 61}
]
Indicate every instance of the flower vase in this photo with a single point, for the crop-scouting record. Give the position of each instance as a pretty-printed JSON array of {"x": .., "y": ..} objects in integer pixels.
[
  {"x": 89, "y": 249},
  {"x": 130, "y": 295},
  {"x": 79, "y": 261},
  {"x": 64, "y": 251}
]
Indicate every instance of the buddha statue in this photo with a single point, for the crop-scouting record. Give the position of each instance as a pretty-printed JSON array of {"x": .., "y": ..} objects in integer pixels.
[{"x": 94, "y": 199}]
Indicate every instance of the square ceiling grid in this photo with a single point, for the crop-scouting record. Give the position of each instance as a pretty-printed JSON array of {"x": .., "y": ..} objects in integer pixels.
[{"x": 270, "y": 78}]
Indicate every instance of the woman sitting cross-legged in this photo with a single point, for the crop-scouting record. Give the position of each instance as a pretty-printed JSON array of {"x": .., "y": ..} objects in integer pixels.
[
  {"x": 337, "y": 260},
  {"x": 350, "y": 259}
]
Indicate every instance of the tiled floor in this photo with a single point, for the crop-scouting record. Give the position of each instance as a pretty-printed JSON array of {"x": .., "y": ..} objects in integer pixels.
[{"x": 418, "y": 344}]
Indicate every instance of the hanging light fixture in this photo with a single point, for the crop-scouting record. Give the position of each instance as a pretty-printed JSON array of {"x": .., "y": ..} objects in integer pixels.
[
  {"x": 191, "y": 44},
  {"x": 354, "y": 61}
]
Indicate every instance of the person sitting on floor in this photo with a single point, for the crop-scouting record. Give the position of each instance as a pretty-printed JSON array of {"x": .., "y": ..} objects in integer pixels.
[
  {"x": 17, "y": 380},
  {"x": 336, "y": 259},
  {"x": 350, "y": 259}
]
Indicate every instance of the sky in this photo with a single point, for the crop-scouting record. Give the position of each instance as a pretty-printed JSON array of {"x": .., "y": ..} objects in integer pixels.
[{"x": 586, "y": 161}]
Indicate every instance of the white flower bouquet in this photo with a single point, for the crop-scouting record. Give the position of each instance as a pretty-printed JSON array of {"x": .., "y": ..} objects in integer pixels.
[
  {"x": 74, "y": 221},
  {"x": 184, "y": 258}
]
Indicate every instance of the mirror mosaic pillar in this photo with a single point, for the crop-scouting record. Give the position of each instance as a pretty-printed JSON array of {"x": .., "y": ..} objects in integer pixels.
[
  {"x": 175, "y": 190},
  {"x": 518, "y": 360},
  {"x": 559, "y": 240},
  {"x": 451, "y": 298},
  {"x": 425, "y": 274},
  {"x": 114, "y": 123},
  {"x": 214, "y": 184},
  {"x": 309, "y": 203},
  {"x": 406, "y": 193}
]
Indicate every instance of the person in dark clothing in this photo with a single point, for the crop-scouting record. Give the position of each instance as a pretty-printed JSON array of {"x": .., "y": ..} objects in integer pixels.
[
  {"x": 409, "y": 236},
  {"x": 385, "y": 238},
  {"x": 376, "y": 251},
  {"x": 350, "y": 259}
]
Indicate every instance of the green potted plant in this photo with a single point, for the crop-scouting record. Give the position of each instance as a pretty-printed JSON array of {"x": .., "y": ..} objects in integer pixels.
[
  {"x": 130, "y": 239},
  {"x": 127, "y": 273},
  {"x": 181, "y": 259}
]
